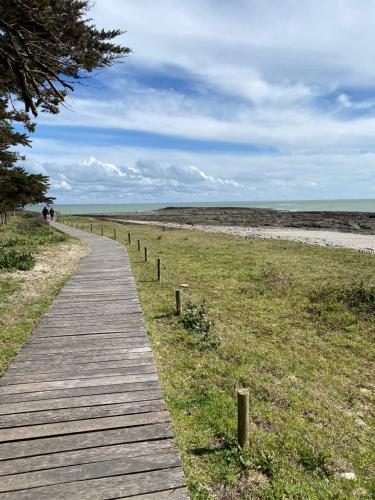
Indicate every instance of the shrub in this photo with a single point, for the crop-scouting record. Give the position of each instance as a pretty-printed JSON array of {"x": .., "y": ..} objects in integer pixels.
[
  {"x": 32, "y": 223},
  {"x": 195, "y": 321},
  {"x": 13, "y": 260},
  {"x": 36, "y": 236}
]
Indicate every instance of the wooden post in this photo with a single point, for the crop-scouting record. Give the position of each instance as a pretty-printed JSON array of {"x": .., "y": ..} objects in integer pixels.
[
  {"x": 158, "y": 265},
  {"x": 243, "y": 416},
  {"x": 178, "y": 303},
  {"x": 146, "y": 255},
  {"x": 102, "y": 231},
  {"x": 114, "y": 233},
  {"x": 91, "y": 227},
  {"x": 129, "y": 238},
  {"x": 138, "y": 245}
]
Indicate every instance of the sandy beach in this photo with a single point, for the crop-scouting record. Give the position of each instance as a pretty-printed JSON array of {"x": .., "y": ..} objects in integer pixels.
[{"x": 358, "y": 242}]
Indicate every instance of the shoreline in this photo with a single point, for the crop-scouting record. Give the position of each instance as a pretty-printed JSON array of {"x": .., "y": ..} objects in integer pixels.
[
  {"x": 328, "y": 239},
  {"x": 347, "y": 230},
  {"x": 346, "y": 222}
]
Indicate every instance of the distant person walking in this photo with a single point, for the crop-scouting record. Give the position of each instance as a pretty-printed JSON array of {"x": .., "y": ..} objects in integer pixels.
[
  {"x": 51, "y": 213},
  {"x": 45, "y": 213}
]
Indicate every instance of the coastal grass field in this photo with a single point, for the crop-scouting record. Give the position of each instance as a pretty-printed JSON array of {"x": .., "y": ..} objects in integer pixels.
[
  {"x": 291, "y": 322},
  {"x": 35, "y": 262}
]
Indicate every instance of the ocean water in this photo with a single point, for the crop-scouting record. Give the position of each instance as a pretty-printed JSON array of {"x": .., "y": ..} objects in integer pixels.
[{"x": 295, "y": 206}]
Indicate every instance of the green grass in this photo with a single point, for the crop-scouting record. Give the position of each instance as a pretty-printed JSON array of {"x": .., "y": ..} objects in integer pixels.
[
  {"x": 293, "y": 323},
  {"x": 26, "y": 294}
]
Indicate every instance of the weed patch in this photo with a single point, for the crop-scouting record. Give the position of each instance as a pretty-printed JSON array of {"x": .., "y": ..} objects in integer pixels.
[{"x": 195, "y": 321}]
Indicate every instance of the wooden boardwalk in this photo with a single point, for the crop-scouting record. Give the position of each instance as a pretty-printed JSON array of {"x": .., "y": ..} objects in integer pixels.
[{"x": 81, "y": 411}]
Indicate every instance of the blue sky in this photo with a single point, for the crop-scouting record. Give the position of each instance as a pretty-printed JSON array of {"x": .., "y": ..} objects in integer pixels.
[{"x": 221, "y": 101}]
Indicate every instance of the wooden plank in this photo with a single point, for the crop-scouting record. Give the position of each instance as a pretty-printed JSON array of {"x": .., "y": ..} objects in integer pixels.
[
  {"x": 151, "y": 426},
  {"x": 105, "y": 488},
  {"x": 27, "y": 367},
  {"x": 72, "y": 384},
  {"x": 74, "y": 352},
  {"x": 69, "y": 414},
  {"x": 85, "y": 456},
  {"x": 82, "y": 472},
  {"x": 98, "y": 340},
  {"x": 79, "y": 401},
  {"x": 71, "y": 427},
  {"x": 78, "y": 374},
  {"x": 81, "y": 391},
  {"x": 174, "y": 494},
  {"x": 57, "y": 360}
]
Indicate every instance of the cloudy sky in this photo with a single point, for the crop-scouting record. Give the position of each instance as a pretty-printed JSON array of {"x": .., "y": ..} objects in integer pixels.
[{"x": 221, "y": 100}]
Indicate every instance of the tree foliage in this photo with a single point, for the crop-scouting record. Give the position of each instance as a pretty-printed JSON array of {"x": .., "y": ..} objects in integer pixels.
[
  {"x": 19, "y": 188},
  {"x": 46, "y": 48}
]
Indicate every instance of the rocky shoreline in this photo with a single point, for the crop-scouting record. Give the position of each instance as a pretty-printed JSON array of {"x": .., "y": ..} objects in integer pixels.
[{"x": 346, "y": 222}]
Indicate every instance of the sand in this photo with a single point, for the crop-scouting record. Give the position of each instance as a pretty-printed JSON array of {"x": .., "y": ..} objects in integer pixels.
[{"x": 336, "y": 239}]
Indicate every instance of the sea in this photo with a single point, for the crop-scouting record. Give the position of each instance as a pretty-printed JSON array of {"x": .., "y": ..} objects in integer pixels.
[{"x": 367, "y": 205}]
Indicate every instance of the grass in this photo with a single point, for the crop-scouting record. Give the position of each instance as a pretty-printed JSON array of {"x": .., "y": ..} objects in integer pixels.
[
  {"x": 35, "y": 261},
  {"x": 293, "y": 323}
]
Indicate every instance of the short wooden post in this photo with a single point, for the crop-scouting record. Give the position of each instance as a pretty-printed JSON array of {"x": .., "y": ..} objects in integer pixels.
[
  {"x": 114, "y": 233},
  {"x": 146, "y": 254},
  {"x": 178, "y": 303},
  {"x": 243, "y": 416},
  {"x": 102, "y": 231},
  {"x": 91, "y": 227},
  {"x": 129, "y": 238},
  {"x": 139, "y": 245},
  {"x": 158, "y": 265}
]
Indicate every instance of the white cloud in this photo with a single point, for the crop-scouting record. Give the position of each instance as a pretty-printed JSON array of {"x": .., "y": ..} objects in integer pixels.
[
  {"x": 94, "y": 179},
  {"x": 164, "y": 176}
]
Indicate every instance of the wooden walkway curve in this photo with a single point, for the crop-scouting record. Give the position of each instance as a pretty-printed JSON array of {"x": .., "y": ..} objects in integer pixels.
[{"x": 81, "y": 411}]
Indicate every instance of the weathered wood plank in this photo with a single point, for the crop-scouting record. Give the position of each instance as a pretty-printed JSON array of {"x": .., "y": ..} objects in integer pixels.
[
  {"x": 78, "y": 374},
  {"x": 69, "y": 414},
  {"x": 80, "y": 391},
  {"x": 150, "y": 426},
  {"x": 105, "y": 488},
  {"x": 107, "y": 468},
  {"x": 71, "y": 427},
  {"x": 174, "y": 494},
  {"x": 28, "y": 368},
  {"x": 85, "y": 456},
  {"x": 72, "y": 384},
  {"x": 79, "y": 401}
]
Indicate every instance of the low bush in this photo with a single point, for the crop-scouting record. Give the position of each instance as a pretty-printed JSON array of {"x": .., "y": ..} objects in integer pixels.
[
  {"x": 195, "y": 321},
  {"x": 39, "y": 235},
  {"x": 13, "y": 260}
]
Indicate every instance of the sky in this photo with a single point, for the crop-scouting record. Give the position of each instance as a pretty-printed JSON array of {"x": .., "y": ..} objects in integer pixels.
[{"x": 220, "y": 100}]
